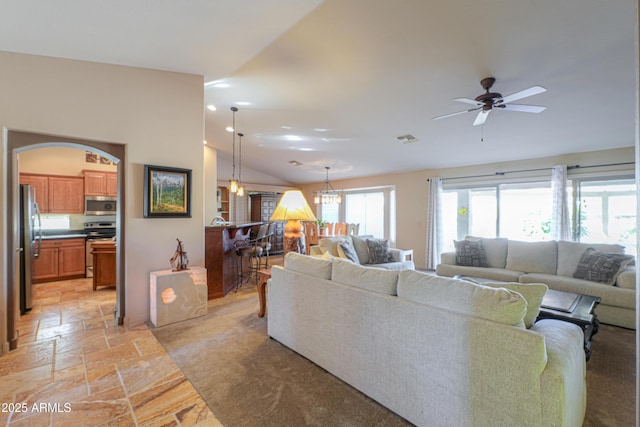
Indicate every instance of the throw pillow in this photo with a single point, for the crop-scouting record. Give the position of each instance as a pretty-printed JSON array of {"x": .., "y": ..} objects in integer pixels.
[
  {"x": 470, "y": 253},
  {"x": 601, "y": 267},
  {"x": 378, "y": 251},
  {"x": 346, "y": 250},
  {"x": 532, "y": 292}
]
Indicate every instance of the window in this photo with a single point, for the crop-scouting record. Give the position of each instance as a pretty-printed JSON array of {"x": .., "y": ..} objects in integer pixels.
[
  {"x": 372, "y": 209},
  {"x": 602, "y": 211},
  {"x": 55, "y": 222},
  {"x": 605, "y": 212}
]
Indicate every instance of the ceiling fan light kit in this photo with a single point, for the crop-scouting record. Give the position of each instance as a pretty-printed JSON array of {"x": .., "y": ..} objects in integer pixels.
[{"x": 488, "y": 101}]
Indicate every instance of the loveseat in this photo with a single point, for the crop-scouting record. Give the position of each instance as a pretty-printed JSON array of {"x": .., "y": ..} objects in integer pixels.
[
  {"x": 437, "y": 351},
  {"x": 554, "y": 263},
  {"x": 364, "y": 250}
]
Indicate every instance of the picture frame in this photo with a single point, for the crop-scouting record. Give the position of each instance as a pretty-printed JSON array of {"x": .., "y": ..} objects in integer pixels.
[{"x": 167, "y": 192}]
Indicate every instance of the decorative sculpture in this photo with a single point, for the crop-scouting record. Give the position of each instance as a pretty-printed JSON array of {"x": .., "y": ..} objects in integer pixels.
[{"x": 180, "y": 260}]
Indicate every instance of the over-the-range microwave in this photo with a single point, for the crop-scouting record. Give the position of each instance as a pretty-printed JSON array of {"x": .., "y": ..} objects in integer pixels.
[{"x": 99, "y": 205}]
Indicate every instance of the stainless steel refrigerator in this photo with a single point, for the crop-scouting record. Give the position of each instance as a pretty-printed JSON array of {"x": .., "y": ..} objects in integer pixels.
[{"x": 30, "y": 243}]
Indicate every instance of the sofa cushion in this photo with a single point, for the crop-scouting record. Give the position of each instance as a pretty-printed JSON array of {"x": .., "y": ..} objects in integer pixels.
[
  {"x": 378, "y": 251},
  {"x": 470, "y": 253},
  {"x": 495, "y": 250},
  {"x": 486, "y": 273},
  {"x": 532, "y": 292},
  {"x": 369, "y": 278},
  {"x": 569, "y": 254},
  {"x": 496, "y": 304},
  {"x": 330, "y": 244},
  {"x": 396, "y": 265},
  {"x": 601, "y": 267},
  {"x": 313, "y": 266},
  {"x": 532, "y": 257},
  {"x": 346, "y": 250},
  {"x": 360, "y": 245}
]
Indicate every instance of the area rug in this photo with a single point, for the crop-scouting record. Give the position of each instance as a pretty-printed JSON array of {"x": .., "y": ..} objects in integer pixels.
[{"x": 248, "y": 379}]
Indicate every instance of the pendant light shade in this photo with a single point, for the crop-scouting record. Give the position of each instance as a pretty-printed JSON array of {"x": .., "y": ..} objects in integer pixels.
[
  {"x": 233, "y": 184},
  {"x": 240, "y": 192}
]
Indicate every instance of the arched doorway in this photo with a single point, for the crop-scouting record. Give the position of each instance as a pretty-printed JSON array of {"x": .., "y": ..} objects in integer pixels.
[{"x": 20, "y": 142}]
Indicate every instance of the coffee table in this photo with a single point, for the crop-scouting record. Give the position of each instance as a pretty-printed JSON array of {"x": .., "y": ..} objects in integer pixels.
[{"x": 578, "y": 309}]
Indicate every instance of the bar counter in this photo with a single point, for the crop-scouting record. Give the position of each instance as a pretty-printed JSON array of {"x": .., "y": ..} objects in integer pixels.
[{"x": 220, "y": 256}]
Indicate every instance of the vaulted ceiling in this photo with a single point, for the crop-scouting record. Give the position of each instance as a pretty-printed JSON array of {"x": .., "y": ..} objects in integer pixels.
[{"x": 335, "y": 82}]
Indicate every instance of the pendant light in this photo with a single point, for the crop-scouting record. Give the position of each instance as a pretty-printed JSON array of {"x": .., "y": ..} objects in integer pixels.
[
  {"x": 327, "y": 194},
  {"x": 240, "y": 192},
  {"x": 233, "y": 184}
]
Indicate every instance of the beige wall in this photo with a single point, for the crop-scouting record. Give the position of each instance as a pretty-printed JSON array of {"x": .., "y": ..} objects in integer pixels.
[
  {"x": 411, "y": 189},
  {"x": 156, "y": 115},
  {"x": 59, "y": 161}
]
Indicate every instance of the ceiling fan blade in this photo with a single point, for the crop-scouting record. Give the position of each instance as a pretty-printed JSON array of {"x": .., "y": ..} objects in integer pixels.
[
  {"x": 481, "y": 117},
  {"x": 469, "y": 101},
  {"x": 534, "y": 90},
  {"x": 523, "y": 108},
  {"x": 454, "y": 114}
]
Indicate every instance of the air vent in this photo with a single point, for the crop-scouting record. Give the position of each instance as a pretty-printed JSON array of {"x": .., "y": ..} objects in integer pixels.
[
  {"x": 406, "y": 139},
  {"x": 295, "y": 163}
]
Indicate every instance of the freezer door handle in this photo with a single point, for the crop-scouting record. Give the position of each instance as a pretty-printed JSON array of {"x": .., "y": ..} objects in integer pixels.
[{"x": 20, "y": 250}]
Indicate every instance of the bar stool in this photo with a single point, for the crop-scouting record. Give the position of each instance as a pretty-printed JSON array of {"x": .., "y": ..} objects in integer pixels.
[
  {"x": 266, "y": 241},
  {"x": 252, "y": 249}
]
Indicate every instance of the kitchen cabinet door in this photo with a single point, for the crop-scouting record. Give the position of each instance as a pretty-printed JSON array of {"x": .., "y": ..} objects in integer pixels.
[
  {"x": 66, "y": 194},
  {"x": 71, "y": 258},
  {"x": 112, "y": 184},
  {"x": 41, "y": 184},
  {"x": 45, "y": 267}
]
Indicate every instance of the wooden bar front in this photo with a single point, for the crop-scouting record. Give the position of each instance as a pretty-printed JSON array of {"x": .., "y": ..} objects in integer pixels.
[{"x": 220, "y": 256}]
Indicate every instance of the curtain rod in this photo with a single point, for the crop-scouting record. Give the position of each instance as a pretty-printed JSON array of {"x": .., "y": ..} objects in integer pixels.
[{"x": 537, "y": 170}]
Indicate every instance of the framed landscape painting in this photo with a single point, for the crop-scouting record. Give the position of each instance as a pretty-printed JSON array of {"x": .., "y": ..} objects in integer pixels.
[{"x": 167, "y": 192}]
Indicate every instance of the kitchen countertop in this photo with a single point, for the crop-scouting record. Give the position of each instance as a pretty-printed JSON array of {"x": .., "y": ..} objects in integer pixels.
[{"x": 64, "y": 236}]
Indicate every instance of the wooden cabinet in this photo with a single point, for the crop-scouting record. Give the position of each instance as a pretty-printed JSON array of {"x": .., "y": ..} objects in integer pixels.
[
  {"x": 66, "y": 194},
  {"x": 41, "y": 185},
  {"x": 99, "y": 183},
  {"x": 104, "y": 264},
  {"x": 56, "y": 193},
  {"x": 262, "y": 207},
  {"x": 223, "y": 202},
  {"x": 60, "y": 259}
]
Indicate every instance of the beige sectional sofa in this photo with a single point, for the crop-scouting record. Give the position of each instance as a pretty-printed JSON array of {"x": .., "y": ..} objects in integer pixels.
[
  {"x": 435, "y": 350},
  {"x": 331, "y": 246},
  {"x": 554, "y": 263}
]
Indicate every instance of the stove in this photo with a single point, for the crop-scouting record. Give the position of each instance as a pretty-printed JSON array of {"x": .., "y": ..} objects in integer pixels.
[
  {"x": 100, "y": 230},
  {"x": 95, "y": 231}
]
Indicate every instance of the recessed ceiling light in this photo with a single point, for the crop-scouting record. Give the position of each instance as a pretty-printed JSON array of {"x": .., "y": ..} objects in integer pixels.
[
  {"x": 229, "y": 129},
  {"x": 205, "y": 142},
  {"x": 245, "y": 103},
  {"x": 321, "y": 129},
  {"x": 305, "y": 149},
  {"x": 216, "y": 83},
  {"x": 211, "y": 107},
  {"x": 286, "y": 127},
  {"x": 292, "y": 138}
]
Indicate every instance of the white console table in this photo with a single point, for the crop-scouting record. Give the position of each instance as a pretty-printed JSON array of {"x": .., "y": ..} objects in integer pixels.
[{"x": 178, "y": 295}]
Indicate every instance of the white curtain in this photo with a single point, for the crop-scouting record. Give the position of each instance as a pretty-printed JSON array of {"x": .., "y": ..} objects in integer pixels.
[
  {"x": 434, "y": 223},
  {"x": 560, "y": 214}
]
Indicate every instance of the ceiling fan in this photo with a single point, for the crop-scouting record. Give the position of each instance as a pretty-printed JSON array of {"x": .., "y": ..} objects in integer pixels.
[{"x": 490, "y": 100}]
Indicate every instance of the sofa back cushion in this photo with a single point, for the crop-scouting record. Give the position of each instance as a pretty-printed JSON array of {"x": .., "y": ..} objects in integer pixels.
[
  {"x": 459, "y": 296},
  {"x": 495, "y": 250},
  {"x": 532, "y": 257},
  {"x": 569, "y": 254},
  {"x": 312, "y": 266},
  {"x": 369, "y": 278}
]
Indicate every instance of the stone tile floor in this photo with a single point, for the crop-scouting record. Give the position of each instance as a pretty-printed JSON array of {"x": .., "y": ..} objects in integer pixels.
[{"x": 75, "y": 367}]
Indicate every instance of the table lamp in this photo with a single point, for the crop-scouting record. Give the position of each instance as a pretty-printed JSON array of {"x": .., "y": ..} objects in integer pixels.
[{"x": 293, "y": 208}]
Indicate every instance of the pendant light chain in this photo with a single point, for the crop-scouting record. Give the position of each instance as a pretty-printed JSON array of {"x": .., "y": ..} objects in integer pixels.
[{"x": 233, "y": 184}]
